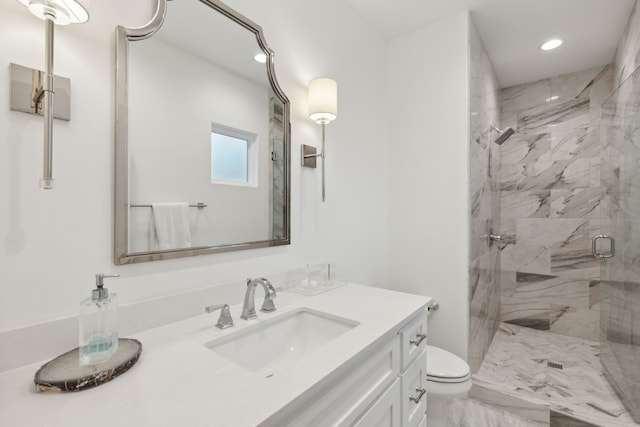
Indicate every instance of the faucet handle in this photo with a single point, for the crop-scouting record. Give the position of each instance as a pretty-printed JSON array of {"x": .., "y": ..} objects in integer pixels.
[
  {"x": 100, "y": 278},
  {"x": 224, "y": 321},
  {"x": 269, "y": 295}
]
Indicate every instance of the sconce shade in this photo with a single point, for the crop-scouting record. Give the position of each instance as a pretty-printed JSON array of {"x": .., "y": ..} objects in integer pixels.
[
  {"x": 61, "y": 12},
  {"x": 323, "y": 100}
]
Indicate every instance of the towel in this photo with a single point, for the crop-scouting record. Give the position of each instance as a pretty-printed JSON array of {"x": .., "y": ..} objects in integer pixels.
[{"x": 169, "y": 226}]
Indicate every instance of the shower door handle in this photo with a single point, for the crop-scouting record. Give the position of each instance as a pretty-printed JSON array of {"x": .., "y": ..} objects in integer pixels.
[{"x": 594, "y": 250}]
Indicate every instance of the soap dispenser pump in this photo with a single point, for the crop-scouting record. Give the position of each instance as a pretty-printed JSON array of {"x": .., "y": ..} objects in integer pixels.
[{"x": 98, "y": 324}]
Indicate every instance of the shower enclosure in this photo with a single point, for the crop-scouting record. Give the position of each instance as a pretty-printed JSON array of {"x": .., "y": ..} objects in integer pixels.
[{"x": 620, "y": 223}]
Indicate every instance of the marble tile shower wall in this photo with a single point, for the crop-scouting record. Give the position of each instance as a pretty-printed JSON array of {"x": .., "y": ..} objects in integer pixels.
[
  {"x": 550, "y": 200},
  {"x": 620, "y": 288},
  {"x": 276, "y": 126},
  {"x": 484, "y": 293},
  {"x": 627, "y": 57}
]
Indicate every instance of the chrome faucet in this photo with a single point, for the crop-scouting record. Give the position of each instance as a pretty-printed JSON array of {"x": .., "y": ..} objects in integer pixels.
[
  {"x": 249, "y": 308},
  {"x": 225, "y": 320}
]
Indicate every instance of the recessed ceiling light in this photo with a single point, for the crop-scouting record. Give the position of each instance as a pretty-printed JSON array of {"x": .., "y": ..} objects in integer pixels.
[
  {"x": 261, "y": 58},
  {"x": 551, "y": 44}
]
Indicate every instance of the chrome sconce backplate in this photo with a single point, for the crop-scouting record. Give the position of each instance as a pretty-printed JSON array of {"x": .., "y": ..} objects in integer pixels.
[
  {"x": 308, "y": 155},
  {"x": 27, "y": 93}
]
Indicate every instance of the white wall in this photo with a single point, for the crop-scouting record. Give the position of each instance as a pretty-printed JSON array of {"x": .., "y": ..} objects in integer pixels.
[
  {"x": 428, "y": 169},
  {"x": 54, "y": 241}
]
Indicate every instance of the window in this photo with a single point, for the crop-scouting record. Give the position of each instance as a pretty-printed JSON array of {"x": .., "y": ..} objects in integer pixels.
[{"x": 233, "y": 153}]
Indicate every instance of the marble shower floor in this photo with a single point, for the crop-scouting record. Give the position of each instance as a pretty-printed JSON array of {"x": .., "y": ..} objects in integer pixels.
[{"x": 516, "y": 364}]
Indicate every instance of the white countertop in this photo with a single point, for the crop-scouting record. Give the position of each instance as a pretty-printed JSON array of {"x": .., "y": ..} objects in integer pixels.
[{"x": 179, "y": 382}]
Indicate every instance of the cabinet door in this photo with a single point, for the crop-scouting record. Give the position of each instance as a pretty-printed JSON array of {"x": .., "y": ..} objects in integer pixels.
[
  {"x": 385, "y": 412},
  {"x": 414, "y": 396},
  {"x": 339, "y": 404},
  {"x": 413, "y": 337}
]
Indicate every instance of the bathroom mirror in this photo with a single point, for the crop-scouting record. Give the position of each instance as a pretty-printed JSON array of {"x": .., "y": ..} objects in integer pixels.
[{"x": 202, "y": 161}]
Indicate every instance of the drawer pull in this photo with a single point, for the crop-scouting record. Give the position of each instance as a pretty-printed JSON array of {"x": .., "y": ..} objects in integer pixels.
[
  {"x": 418, "y": 340},
  {"x": 421, "y": 392}
]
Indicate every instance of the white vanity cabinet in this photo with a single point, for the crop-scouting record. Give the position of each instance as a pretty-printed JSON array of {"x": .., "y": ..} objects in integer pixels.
[
  {"x": 370, "y": 375},
  {"x": 386, "y": 411},
  {"x": 342, "y": 401},
  {"x": 414, "y": 392},
  {"x": 413, "y": 339},
  {"x": 382, "y": 386}
]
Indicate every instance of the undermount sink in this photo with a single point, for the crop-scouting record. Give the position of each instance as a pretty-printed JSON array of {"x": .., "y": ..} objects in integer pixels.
[{"x": 273, "y": 345}]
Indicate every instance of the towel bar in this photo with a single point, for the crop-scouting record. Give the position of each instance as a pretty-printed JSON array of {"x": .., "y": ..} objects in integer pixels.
[{"x": 198, "y": 205}]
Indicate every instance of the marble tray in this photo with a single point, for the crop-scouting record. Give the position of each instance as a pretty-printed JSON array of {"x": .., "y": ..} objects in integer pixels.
[{"x": 64, "y": 373}]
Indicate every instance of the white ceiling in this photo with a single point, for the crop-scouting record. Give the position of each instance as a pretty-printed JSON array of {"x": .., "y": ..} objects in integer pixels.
[
  {"x": 213, "y": 37},
  {"x": 512, "y": 30}
]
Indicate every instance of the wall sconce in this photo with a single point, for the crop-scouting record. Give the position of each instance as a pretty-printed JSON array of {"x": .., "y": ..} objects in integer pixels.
[
  {"x": 52, "y": 12},
  {"x": 323, "y": 108}
]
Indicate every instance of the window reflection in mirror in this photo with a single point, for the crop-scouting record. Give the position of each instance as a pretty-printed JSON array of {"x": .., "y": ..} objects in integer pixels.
[{"x": 233, "y": 156}]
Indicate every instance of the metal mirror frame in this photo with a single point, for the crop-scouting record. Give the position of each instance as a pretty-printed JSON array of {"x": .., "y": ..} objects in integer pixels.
[{"x": 121, "y": 231}]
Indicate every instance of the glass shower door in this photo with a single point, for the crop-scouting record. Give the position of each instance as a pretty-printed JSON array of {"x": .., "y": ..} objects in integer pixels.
[{"x": 619, "y": 242}]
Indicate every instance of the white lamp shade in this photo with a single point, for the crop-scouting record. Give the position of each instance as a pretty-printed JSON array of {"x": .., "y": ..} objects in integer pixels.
[
  {"x": 323, "y": 100},
  {"x": 61, "y": 12}
]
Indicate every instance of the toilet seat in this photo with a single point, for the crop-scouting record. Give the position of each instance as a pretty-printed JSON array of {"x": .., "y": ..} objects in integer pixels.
[
  {"x": 447, "y": 380},
  {"x": 445, "y": 367}
]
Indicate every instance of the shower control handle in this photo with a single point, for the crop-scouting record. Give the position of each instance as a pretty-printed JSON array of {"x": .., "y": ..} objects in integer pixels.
[{"x": 490, "y": 237}]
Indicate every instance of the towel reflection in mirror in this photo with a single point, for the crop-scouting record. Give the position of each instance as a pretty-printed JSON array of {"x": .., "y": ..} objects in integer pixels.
[{"x": 169, "y": 226}]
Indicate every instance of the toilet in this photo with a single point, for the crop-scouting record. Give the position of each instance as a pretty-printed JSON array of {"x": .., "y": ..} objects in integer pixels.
[{"x": 448, "y": 377}]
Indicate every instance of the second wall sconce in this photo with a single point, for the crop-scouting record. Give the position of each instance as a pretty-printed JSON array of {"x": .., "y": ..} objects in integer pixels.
[
  {"x": 52, "y": 12},
  {"x": 323, "y": 108}
]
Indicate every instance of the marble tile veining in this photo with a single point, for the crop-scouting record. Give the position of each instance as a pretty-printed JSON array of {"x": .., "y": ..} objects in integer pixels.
[
  {"x": 528, "y": 259},
  {"x": 526, "y": 148},
  {"x": 627, "y": 57},
  {"x": 525, "y": 204},
  {"x": 572, "y": 143},
  {"x": 620, "y": 276},
  {"x": 576, "y": 203},
  {"x": 517, "y": 365},
  {"x": 544, "y": 175},
  {"x": 551, "y": 199},
  {"x": 472, "y": 413},
  {"x": 578, "y": 262},
  {"x": 557, "y": 419},
  {"x": 578, "y": 322},
  {"x": 555, "y": 232},
  {"x": 484, "y": 301},
  {"x": 562, "y": 146},
  {"x": 484, "y": 309},
  {"x": 575, "y": 85},
  {"x": 534, "y": 412},
  {"x": 526, "y": 313},
  {"x": 526, "y": 96},
  {"x": 568, "y": 114},
  {"x": 555, "y": 290}
]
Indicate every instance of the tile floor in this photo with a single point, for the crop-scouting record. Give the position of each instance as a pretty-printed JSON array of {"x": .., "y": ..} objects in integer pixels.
[
  {"x": 516, "y": 365},
  {"x": 472, "y": 413}
]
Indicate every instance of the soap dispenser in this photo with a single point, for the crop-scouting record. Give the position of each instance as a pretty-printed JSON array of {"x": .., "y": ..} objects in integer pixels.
[{"x": 98, "y": 324}]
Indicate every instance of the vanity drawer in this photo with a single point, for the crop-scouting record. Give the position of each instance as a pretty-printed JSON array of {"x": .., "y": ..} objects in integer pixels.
[
  {"x": 386, "y": 411},
  {"x": 340, "y": 403},
  {"x": 414, "y": 396},
  {"x": 413, "y": 339}
]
